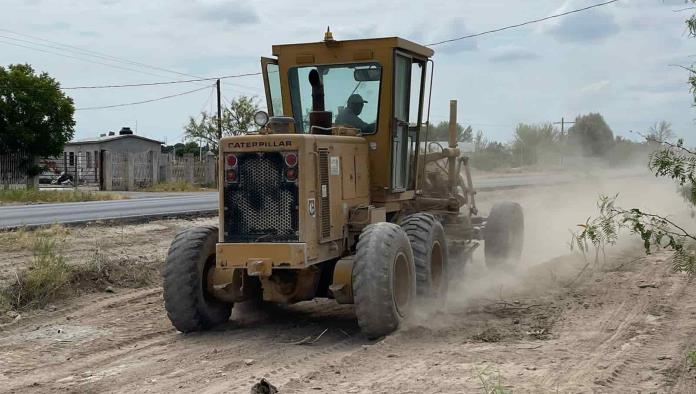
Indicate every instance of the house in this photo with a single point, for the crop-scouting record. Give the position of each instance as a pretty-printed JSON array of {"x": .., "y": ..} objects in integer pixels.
[
  {"x": 125, "y": 141},
  {"x": 82, "y": 158}
]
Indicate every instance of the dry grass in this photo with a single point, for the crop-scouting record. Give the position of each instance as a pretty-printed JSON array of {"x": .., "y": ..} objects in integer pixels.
[
  {"x": 47, "y": 276},
  {"x": 24, "y": 239},
  {"x": 53, "y": 196},
  {"x": 177, "y": 186},
  {"x": 51, "y": 277},
  {"x": 491, "y": 382}
]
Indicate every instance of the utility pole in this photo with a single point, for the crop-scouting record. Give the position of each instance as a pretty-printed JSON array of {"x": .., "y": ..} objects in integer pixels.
[
  {"x": 563, "y": 139},
  {"x": 219, "y": 111},
  {"x": 563, "y": 123}
]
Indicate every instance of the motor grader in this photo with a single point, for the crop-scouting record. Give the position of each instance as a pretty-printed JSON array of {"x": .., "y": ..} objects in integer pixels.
[{"x": 339, "y": 194}]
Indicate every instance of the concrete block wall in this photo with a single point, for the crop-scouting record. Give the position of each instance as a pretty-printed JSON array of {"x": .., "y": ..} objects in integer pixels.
[{"x": 162, "y": 168}]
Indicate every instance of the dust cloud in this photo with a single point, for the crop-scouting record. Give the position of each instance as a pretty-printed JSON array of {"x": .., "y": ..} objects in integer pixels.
[{"x": 550, "y": 213}]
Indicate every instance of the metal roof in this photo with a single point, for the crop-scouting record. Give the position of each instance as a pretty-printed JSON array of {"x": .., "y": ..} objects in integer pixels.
[{"x": 98, "y": 140}]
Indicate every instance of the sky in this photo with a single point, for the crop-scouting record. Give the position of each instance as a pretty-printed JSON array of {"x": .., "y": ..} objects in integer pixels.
[{"x": 618, "y": 60}]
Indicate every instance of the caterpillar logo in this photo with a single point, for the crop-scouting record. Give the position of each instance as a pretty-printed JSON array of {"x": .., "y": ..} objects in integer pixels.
[{"x": 260, "y": 144}]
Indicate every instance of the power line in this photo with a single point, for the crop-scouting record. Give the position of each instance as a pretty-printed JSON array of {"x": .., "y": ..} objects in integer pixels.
[
  {"x": 145, "y": 101},
  {"x": 205, "y": 103},
  {"x": 524, "y": 23},
  {"x": 87, "y": 52},
  {"x": 99, "y": 55},
  {"x": 79, "y": 58},
  {"x": 161, "y": 83}
]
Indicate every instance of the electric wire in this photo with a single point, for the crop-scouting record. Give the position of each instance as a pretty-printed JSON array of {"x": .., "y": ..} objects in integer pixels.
[
  {"x": 144, "y": 101},
  {"x": 130, "y": 85},
  {"x": 87, "y": 52},
  {"x": 84, "y": 52},
  {"x": 78, "y": 58},
  {"x": 523, "y": 23}
]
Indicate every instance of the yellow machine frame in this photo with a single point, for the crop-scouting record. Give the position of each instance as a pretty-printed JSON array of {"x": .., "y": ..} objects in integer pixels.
[{"x": 360, "y": 194}]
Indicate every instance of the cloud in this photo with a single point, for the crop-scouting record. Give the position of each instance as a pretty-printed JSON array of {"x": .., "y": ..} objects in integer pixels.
[
  {"x": 512, "y": 55},
  {"x": 588, "y": 26},
  {"x": 659, "y": 86},
  {"x": 595, "y": 87},
  {"x": 454, "y": 28},
  {"x": 91, "y": 34},
  {"x": 239, "y": 13},
  {"x": 55, "y": 26}
]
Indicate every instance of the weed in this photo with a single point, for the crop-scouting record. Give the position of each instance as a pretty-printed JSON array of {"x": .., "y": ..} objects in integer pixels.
[
  {"x": 23, "y": 239},
  {"x": 47, "y": 276},
  {"x": 175, "y": 186},
  {"x": 492, "y": 382},
  {"x": 48, "y": 196},
  {"x": 489, "y": 334},
  {"x": 102, "y": 271},
  {"x": 691, "y": 358}
]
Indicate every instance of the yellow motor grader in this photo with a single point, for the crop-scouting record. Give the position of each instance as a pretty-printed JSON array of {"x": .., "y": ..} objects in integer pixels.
[{"x": 339, "y": 195}]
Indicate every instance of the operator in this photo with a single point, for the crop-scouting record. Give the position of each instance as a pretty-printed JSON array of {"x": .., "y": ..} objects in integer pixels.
[{"x": 349, "y": 115}]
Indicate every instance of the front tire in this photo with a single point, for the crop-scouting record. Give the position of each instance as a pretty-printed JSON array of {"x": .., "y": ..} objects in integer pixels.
[
  {"x": 384, "y": 279},
  {"x": 190, "y": 258},
  {"x": 504, "y": 235}
]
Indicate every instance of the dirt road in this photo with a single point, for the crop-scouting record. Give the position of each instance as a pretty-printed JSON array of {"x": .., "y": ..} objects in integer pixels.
[{"x": 624, "y": 325}]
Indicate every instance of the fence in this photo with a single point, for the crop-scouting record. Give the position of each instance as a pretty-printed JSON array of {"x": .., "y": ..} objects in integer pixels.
[
  {"x": 133, "y": 171},
  {"x": 72, "y": 169},
  {"x": 13, "y": 170}
]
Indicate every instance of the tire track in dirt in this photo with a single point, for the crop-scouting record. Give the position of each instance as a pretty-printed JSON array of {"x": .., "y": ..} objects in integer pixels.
[
  {"x": 131, "y": 337},
  {"x": 649, "y": 354},
  {"x": 271, "y": 347},
  {"x": 85, "y": 305},
  {"x": 104, "y": 324},
  {"x": 620, "y": 349}
]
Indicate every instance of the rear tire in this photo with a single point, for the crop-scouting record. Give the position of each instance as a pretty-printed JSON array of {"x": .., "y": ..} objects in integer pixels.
[
  {"x": 504, "y": 235},
  {"x": 430, "y": 254},
  {"x": 384, "y": 279},
  {"x": 189, "y": 305}
]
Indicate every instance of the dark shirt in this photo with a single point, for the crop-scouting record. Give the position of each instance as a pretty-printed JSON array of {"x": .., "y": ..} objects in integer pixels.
[{"x": 347, "y": 117}]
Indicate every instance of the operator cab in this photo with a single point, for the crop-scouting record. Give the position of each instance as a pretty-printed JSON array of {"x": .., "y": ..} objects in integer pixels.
[{"x": 375, "y": 87}]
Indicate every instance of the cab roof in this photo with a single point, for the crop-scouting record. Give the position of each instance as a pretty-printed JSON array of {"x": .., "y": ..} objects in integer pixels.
[{"x": 370, "y": 43}]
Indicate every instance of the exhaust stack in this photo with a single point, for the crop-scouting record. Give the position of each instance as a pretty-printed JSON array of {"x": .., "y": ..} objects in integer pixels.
[{"x": 320, "y": 120}]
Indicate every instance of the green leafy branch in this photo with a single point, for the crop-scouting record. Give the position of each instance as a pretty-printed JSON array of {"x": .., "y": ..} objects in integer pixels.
[
  {"x": 676, "y": 162},
  {"x": 656, "y": 232}
]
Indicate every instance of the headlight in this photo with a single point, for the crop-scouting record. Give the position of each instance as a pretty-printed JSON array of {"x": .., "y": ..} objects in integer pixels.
[{"x": 261, "y": 118}]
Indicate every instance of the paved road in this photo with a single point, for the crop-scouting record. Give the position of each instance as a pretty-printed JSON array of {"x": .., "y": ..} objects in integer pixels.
[
  {"x": 162, "y": 204},
  {"x": 41, "y": 214}
]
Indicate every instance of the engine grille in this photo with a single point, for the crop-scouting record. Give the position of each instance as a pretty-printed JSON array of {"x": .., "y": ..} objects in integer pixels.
[
  {"x": 325, "y": 201},
  {"x": 263, "y": 205}
]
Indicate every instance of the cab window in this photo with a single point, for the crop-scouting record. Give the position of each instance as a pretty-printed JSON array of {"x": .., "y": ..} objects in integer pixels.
[{"x": 351, "y": 94}]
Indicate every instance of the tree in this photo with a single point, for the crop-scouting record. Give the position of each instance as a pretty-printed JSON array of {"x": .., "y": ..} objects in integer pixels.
[
  {"x": 489, "y": 155},
  {"x": 204, "y": 128},
  {"x": 672, "y": 160},
  {"x": 660, "y": 132},
  {"x": 480, "y": 142},
  {"x": 440, "y": 132},
  {"x": 36, "y": 117},
  {"x": 592, "y": 134},
  {"x": 181, "y": 149},
  {"x": 530, "y": 140},
  {"x": 237, "y": 119}
]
